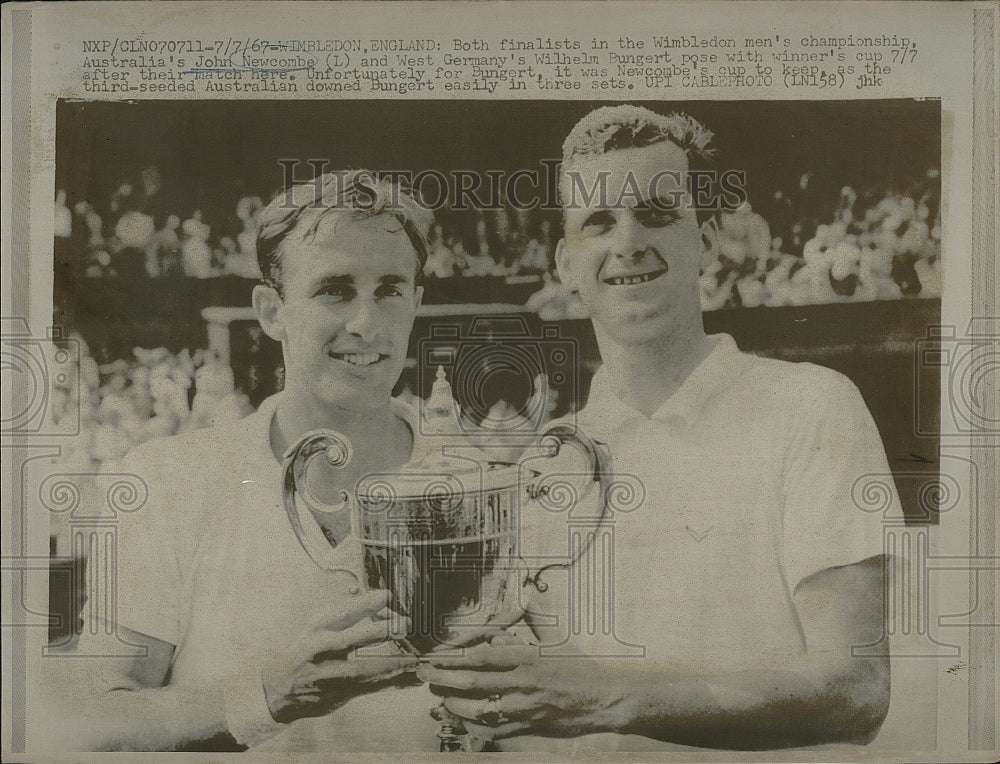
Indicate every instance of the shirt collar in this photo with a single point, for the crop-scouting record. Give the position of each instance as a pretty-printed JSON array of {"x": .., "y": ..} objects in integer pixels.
[
  {"x": 260, "y": 422},
  {"x": 717, "y": 371}
]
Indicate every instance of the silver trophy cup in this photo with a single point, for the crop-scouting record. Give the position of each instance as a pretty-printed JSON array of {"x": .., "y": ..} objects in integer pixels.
[{"x": 441, "y": 535}]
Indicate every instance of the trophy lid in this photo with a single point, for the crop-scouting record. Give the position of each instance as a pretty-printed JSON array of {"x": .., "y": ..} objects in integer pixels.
[
  {"x": 441, "y": 402},
  {"x": 431, "y": 470}
]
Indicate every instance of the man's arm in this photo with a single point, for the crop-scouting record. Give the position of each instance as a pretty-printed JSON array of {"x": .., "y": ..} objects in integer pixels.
[
  {"x": 821, "y": 696},
  {"x": 123, "y": 704},
  {"x": 118, "y": 704},
  {"x": 832, "y": 550}
]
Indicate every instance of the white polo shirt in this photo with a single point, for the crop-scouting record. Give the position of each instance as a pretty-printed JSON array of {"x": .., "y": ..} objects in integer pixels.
[
  {"x": 748, "y": 470},
  {"x": 212, "y": 566}
]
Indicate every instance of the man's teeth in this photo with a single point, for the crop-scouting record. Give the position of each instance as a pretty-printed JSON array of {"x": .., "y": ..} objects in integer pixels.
[
  {"x": 359, "y": 359},
  {"x": 640, "y": 279}
]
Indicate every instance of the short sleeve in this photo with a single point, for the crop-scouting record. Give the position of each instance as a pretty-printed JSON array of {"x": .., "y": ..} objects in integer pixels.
[
  {"x": 835, "y": 444},
  {"x": 143, "y": 581}
]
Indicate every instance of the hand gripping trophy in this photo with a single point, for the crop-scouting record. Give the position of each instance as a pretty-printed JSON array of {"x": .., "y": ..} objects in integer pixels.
[{"x": 441, "y": 534}]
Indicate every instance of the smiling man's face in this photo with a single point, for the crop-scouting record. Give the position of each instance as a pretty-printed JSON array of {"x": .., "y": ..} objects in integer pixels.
[
  {"x": 347, "y": 311},
  {"x": 632, "y": 250}
]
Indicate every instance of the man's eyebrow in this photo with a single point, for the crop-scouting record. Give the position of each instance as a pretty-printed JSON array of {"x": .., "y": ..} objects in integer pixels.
[
  {"x": 347, "y": 278},
  {"x": 394, "y": 278},
  {"x": 598, "y": 216},
  {"x": 661, "y": 202},
  {"x": 333, "y": 280}
]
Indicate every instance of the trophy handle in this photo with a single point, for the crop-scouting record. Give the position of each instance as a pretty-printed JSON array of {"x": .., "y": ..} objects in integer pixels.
[
  {"x": 295, "y": 466},
  {"x": 599, "y": 467}
]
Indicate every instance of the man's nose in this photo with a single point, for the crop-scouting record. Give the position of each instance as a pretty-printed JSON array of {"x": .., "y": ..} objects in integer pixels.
[
  {"x": 364, "y": 321},
  {"x": 630, "y": 241}
]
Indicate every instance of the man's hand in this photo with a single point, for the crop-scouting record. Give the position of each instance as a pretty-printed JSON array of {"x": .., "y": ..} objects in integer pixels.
[
  {"x": 505, "y": 690},
  {"x": 318, "y": 674},
  {"x": 821, "y": 695}
]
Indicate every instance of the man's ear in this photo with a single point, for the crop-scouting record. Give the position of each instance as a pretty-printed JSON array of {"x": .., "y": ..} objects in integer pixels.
[
  {"x": 709, "y": 231},
  {"x": 267, "y": 307},
  {"x": 563, "y": 266}
]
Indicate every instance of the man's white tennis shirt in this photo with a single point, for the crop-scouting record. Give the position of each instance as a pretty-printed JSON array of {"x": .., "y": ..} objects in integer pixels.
[
  {"x": 750, "y": 473},
  {"x": 212, "y": 566}
]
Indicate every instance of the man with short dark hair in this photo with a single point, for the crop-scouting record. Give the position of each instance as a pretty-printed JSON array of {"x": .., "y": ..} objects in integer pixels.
[
  {"x": 747, "y": 575},
  {"x": 238, "y": 631}
]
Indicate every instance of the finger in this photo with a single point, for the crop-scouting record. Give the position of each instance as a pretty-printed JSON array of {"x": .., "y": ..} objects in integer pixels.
[
  {"x": 468, "y": 709},
  {"x": 480, "y": 683},
  {"x": 366, "y": 632},
  {"x": 385, "y": 614},
  {"x": 493, "y": 657},
  {"x": 337, "y": 681},
  {"x": 501, "y": 731},
  {"x": 380, "y": 650},
  {"x": 363, "y": 669},
  {"x": 516, "y": 707},
  {"x": 361, "y": 606},
  {"x": 503, "y": 657},
  {"x": 507, "y": 638},
  {"x": 372, "y": 631}
]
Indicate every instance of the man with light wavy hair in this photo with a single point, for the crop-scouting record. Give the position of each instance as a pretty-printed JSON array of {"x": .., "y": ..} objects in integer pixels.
[{"x": 747, "y": 584}]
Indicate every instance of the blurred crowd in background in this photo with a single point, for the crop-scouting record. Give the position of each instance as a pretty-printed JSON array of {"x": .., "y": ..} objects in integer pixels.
[{"x": 798, "y": 246}]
